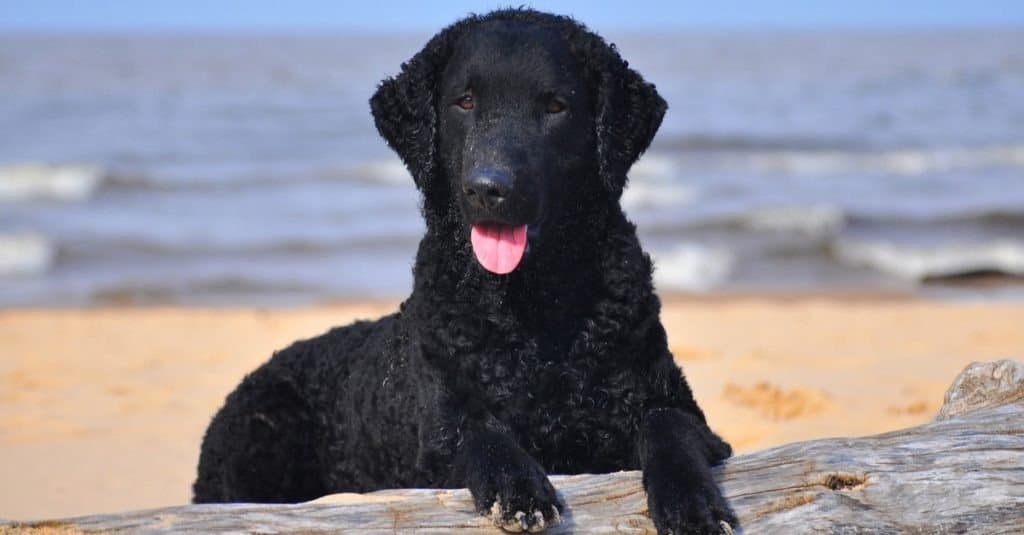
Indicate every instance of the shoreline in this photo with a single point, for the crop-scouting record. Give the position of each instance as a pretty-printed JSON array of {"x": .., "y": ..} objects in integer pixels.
[{"x": 103, "y": 409}]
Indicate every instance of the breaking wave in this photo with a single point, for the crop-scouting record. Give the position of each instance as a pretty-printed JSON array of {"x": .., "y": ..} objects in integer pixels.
[
  {"x": 946, "y": 260},
  {"x": 25, "y": 253},
  {"x": 907, "y": 162},
  {"x": 691, "y": 268},
  {"x": 800, "y": 157},
  {"x": 814, "y": 220},
  {"x": 80, "y": 182},
  {"x": 390, "y": 171},
  {"x": 656, "y": 193},
  {"x": 50, "y": 182}
]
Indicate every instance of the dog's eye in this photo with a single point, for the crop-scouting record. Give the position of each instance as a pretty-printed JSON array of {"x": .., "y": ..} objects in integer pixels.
[
  {"x": 556, "y": 106},
  {"x": 465, "y": 102}
]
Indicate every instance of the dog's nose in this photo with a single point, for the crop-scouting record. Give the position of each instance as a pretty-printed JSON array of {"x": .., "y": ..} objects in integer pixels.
[{"x": 485, "y": 189}]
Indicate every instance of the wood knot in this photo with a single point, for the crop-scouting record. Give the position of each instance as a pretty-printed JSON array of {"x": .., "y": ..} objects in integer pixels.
[{"x": 844, "y": 481}]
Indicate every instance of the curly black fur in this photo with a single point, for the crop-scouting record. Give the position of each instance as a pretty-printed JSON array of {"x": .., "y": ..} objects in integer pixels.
[{"x": 487, "y": 381}]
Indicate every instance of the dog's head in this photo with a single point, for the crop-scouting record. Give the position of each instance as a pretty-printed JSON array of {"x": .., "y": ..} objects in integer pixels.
[{"x": 511, "y": 122}]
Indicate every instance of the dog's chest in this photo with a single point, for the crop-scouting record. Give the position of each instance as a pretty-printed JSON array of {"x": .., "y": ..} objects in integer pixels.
[
  {"x": 573, "y": 412},
  {"x": 570, "y": 397}
]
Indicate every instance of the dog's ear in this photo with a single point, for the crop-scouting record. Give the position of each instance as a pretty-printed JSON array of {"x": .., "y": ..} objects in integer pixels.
[
  {"x": 628, "y": 111},
  {"x": 404, "y": 108}
]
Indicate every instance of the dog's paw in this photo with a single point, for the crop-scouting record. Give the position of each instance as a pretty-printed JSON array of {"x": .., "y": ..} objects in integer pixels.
[
  {"x": 508, "y": 485},
  {"x": 519, "y": 499},
  {"x": 514, "y": 519},
  {"x": 701, "y": 510}
]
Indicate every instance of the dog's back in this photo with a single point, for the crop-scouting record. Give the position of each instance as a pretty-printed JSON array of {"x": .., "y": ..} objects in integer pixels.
[{"x": 308, "y": 422}]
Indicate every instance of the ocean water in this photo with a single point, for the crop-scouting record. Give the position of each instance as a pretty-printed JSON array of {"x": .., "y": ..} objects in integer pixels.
[{"x": 245, "y": 169}]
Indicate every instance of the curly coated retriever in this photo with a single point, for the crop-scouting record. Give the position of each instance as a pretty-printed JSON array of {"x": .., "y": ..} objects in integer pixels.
[{"x": 531, "y": 343}]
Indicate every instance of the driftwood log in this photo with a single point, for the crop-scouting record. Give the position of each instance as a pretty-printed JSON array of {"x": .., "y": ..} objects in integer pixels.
[{"x": 961, "y": 473}]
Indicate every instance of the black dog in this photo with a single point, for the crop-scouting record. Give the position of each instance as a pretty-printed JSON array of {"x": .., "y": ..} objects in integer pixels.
[{"x": 531, "y": 343}]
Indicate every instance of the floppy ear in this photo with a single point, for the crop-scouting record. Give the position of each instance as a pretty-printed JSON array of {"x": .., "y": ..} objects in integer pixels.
[
  {"x": 404, "y": 108},
  {"x": 629, "y": 112}
]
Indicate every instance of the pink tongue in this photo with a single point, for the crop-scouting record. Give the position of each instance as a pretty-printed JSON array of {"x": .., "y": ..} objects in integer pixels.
[{"x": 498, "y": 248}]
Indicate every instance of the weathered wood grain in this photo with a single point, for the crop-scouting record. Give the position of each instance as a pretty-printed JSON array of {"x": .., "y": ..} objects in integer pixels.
[{"x": 962, "y": 473}]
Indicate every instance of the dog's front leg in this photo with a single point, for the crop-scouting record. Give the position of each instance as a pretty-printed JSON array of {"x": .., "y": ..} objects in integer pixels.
[
  {"x": 507, "y": 484},
  {"x": 676, "y": 453}
]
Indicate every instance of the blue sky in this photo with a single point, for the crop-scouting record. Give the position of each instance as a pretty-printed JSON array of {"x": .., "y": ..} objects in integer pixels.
[{"x": 383, "y": 14}]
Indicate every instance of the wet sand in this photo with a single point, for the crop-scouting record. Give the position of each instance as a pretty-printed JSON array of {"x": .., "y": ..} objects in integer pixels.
[{"x": 103, "y": 410}]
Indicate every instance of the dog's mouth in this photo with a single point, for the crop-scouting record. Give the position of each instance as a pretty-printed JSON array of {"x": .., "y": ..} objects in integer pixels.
[{"x": 498, "y": 248}]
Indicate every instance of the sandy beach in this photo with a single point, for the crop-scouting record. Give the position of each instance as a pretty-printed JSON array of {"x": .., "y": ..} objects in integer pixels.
[{"x": 103, "y": 410}]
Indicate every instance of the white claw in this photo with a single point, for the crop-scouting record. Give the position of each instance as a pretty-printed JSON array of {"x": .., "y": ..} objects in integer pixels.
[
  {"x": 538, "y": 522},
  {"x": 496, "y": 511},
  {"x": 514, "y": 525}
]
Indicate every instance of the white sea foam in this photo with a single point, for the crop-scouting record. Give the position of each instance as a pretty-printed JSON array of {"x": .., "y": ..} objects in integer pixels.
[
  {"x": 390, "y": 171},
  {"x": 918, "y": 263},
  {"x": 49, "y": 182},
  {"x": 909, "y": 162},
  {"x": 656, "y": 193},
  {"x": 25, "y": 254},
  {"x": 653, "y": 166},
  {"x": 691, "y": 267},
  {"x": 816, "y": 220}
]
